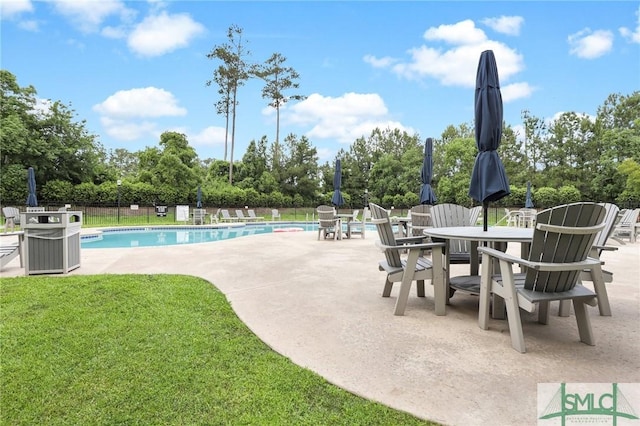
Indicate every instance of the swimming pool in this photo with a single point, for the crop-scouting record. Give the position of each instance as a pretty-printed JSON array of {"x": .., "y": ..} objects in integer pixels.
[{"x": 174, "y": 235}]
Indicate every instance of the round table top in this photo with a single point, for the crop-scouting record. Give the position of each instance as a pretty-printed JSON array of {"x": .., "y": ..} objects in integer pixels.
[{"x": 476, "y": 233}]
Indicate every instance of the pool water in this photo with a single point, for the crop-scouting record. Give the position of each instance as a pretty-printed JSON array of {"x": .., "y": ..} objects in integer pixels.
[{"x": 169, "y": 236}]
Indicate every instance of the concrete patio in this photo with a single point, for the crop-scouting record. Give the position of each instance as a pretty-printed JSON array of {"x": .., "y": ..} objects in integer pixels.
[{"x": 318, "y": 303}]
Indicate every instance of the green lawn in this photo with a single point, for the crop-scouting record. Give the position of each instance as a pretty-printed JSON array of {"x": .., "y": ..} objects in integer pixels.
[{"x": 150, "y": 350}]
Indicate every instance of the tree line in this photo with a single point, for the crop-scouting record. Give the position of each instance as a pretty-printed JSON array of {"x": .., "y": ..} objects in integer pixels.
[{"x": 571, "y": 158}]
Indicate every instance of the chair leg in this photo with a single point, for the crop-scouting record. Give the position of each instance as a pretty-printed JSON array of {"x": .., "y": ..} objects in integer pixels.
[
  {"x": 513, "y": 309},
  {"x": 584, "y": 323},
  {"x": 565, "y": 308},
  {"x": 437, "y": 279},
  {"x": 600, "y": 288},
  {"x": 407, "y": 278},
  {"x": 420, "y": 288},
  {"x": 388, "y": 285},
  {"x": 543, "y": 312},
  {"x": 485, "y": 293}
]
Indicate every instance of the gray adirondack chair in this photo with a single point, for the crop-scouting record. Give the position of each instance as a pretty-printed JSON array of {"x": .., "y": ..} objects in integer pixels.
[
  {"x": 562, "y": 239},
  {"x": 420, "y": 219},
  {"x": 413, "y": 267},
  {"x": 458, "y": 251},
  {"x": 599, "y": 245},
  {"x": 474, "y": 215},
  {"x": 328, "y": 222}
]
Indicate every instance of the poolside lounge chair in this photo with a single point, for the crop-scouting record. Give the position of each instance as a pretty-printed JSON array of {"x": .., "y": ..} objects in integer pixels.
[
  {"x": 328, "y": 222},
  {"x": 626, "y": 226},
  {"x": 11, "y": 218},
  {"x": 241, "y": 217},
  {"x": 562, "y": 238},
  {"x": 226, "y": 217},
  {"x": 414, "y": 267},
  {"x": 275, "y": 214},
  {"x": 252, "y": 215}
]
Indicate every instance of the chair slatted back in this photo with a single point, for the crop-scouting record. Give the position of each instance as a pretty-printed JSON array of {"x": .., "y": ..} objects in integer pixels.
[
  {"x": 444, "y": 215},
  {"x": 609, "y": 220},
  {"x": 225, "y": 214},
  {"x": 326, "y": 216},
  {"x": 420, "y": 219},
  {"x": 563, "y": 234},
  {"x": 474, "y": 215},
  {"x": 380, "y": 217}
]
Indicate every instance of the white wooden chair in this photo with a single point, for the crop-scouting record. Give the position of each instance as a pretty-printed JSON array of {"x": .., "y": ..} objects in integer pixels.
[
  {"x": 11, "y": 218},
  {"x": 562, "y": 238},
  {"x": 198, "y": 216},
  {"x": 356, "y": 226},
  {"x": 414, "y": 267},
  {"x": 275, "y": 214}
]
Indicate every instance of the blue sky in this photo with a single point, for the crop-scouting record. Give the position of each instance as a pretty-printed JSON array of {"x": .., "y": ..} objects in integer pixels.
[{"x": 134, "y": 69}]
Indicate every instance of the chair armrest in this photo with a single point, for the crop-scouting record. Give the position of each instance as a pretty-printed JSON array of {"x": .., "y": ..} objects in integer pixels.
[
  {"x": 410, "y": 240},
  {"x": 422, "y": 246},
  {"x": 540, "y": 266},
  {"x": 607, "y": 248}
]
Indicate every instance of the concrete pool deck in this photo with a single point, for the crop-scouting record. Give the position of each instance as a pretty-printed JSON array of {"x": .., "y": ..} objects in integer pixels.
[{"x": 319, "y": 303}]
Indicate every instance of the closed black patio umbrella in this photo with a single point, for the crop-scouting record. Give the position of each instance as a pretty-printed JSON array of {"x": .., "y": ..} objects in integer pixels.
[
  {"x": 427, "y": 195},
  {"x": 528, "y": 202},
  {"x": 32, "y": 199},
  {"x": 199, "y": 198},
  {"x": 488, "y": 180},
  {"x": 337, "y": 199}
]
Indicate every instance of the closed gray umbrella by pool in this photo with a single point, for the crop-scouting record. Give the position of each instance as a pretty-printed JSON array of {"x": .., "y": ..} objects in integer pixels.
[
  {"x": 528, "y": 202},
  {"x": 32, "y": 199},
  {"x": 427, "y": 195},
  {"x": 199, "y": 198},
  {"x": 337, "y": 199},
  {"x": 488, "y": 180}
]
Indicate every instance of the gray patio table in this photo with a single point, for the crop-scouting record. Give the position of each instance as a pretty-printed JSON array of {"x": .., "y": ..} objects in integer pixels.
[{"x": 495, "y": 236}]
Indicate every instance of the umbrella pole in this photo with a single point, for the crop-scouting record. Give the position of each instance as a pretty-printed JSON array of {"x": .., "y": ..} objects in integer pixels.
[{"x": 485, "y": 207}]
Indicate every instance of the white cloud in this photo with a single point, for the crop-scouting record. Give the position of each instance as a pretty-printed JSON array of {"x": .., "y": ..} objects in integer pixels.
[
  {"x": 29, "y": 25},
  {"x": 632, "y": 36},
  {"x": 144, "y": 102},
  {"x": 455, "y": 65},
  {"x": 514, "y": 91},
  {"x": 509, "y": 25},
  {"x": 589, "y": 44},
  {"x": 344, "y": 118},
  {"x": 124, "y": 130},
  {"x": 379, "y": 62},
  {"x": 163, "y": 33},
  {"x": 463, "y": 32},
  {"x": 121, "y": 112},
  {"x": 88, "y": 15},
  {"x": 209, "y": 136},
  {"x": 12, "y": 8}
]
